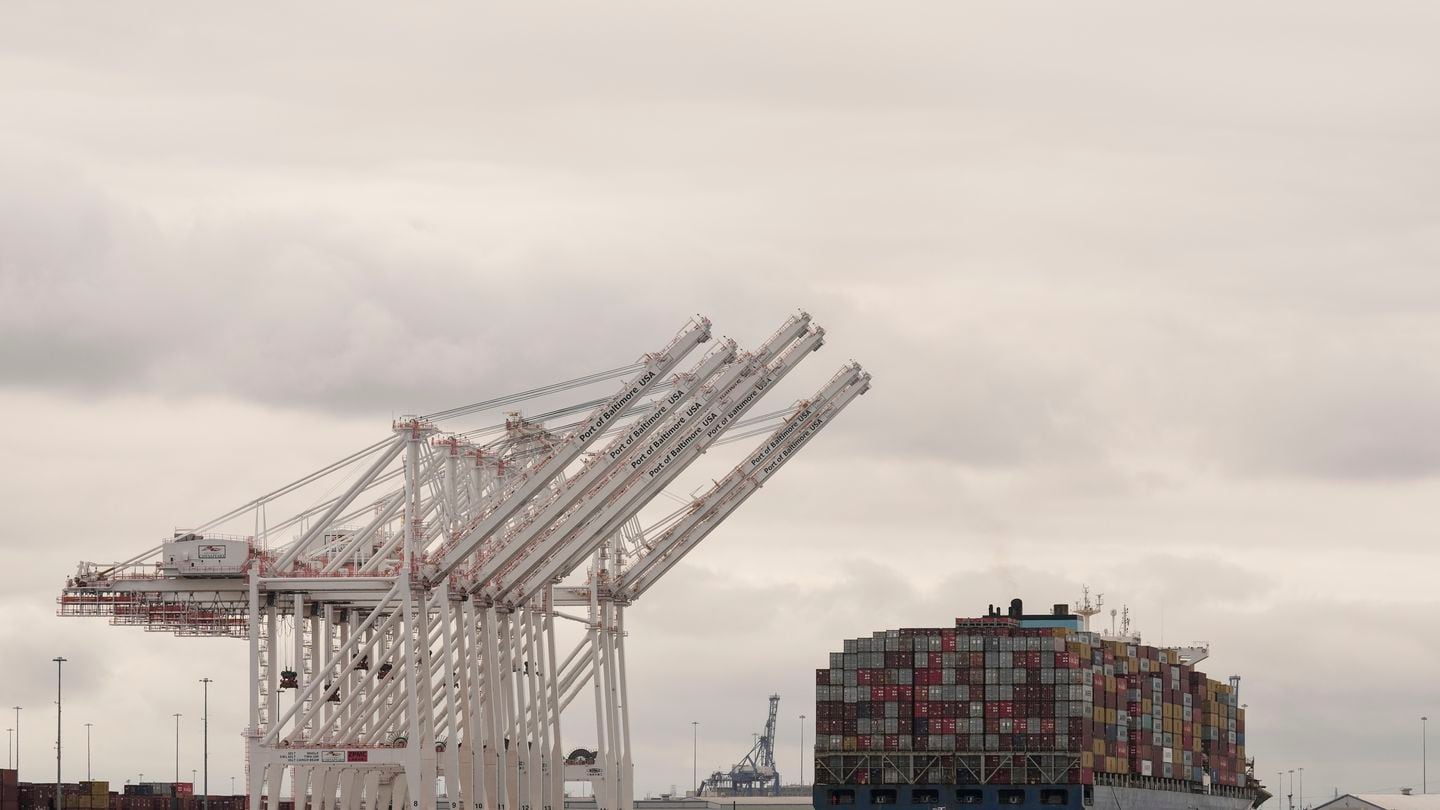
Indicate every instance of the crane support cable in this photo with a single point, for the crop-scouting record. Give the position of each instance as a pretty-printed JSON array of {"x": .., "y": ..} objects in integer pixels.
[{"x": 508, "y": 399}]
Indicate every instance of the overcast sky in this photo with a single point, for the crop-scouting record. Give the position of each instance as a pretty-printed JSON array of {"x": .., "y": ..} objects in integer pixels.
[{"x": 1149, "y": 291}]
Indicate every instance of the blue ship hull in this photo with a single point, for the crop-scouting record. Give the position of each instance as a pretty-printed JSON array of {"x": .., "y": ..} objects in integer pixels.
[{"x": 1017, "y": 797}]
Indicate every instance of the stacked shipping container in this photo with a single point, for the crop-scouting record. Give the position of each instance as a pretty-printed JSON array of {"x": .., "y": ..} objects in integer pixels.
[
  {"x": 15, "y": 795},
  {"x": 9, "y": 790},
  {"x": 1002, "y": 703},
  {"x": 78, "y": 796}
]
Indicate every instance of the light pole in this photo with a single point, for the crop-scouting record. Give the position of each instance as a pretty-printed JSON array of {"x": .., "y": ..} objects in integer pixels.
[
  {"x": 88, "y": 777},
  {"x": 695, "y": 757},
  {"x": 10, "y": 751},
  {"x": 1280, "y": 789},
  {"x": 1291, "y": 795},
  {"x": 802, "y": 749},
  {"x": 59, "y": 792},
  {"x": 177, "y": 746},
  {"x": 232, "y": 786},
  {"x": 1424, "y": 756},
  {"x": 205, "y": 726},
  {"x": 17, "y": 742},
  {"x": 1302, "y": 789}
]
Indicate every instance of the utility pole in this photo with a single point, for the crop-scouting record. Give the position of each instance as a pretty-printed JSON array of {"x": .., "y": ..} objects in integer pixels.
[
  {"x": 88, "y": 777},
  {"x": 177, "y": 746},
  {"x": 205, "y": 760},
  {"x": 1424, "y": 756},
  {"x": 802, "y": 749},
  {"x": 59, "y": 792}
]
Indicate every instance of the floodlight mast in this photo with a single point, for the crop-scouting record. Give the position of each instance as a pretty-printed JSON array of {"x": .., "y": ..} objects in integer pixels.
[{"x": 412, "y": 615}]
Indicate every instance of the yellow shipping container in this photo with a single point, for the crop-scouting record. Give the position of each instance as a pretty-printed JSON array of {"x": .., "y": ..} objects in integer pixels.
[
  {"x": 1145, "y": 706},
  {"x": 1110, "y": 716},
  {"x": 1087, "y": 759},
  {"x": 1099, "y": 748}
]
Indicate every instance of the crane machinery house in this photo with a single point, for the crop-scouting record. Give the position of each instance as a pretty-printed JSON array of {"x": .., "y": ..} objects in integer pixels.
[{"x": 196, "y": 554}]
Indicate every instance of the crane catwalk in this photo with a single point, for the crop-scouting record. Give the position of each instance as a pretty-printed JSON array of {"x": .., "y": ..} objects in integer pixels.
[{"x": 404, "y": 631}]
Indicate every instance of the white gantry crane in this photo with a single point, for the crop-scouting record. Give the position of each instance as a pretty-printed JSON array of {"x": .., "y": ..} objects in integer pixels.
[{"x": 402, "y": 629}]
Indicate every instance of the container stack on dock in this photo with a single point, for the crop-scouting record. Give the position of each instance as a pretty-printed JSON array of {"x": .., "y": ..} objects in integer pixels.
[
  {"x": 78, "y": 796},
  {"x": 9, "y": 789},
  {"x": 995, "y": 700},
  {"x": 16, "y": 795}
]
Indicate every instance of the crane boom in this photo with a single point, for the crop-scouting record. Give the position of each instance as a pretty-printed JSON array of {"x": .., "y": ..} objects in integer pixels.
[
  {"x": 727, "y": 495},
  {"x": 650, "y": 476},
  {"x": 607, "y": 477},
  {"x": 518, "y": 539},
  {"x": 656, "y": 367}
]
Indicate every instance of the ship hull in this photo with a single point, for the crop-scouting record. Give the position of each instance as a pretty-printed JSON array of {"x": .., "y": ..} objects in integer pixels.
[{"x": 1017, "y": 797}]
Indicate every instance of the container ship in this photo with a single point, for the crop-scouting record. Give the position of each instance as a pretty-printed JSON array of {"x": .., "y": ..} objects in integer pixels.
[{"x": 1029, "y": 710}]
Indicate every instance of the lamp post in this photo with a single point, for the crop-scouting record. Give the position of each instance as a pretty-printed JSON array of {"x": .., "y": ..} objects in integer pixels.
[
  {"x": 802, "y": 749},
  {"x": 1302, "y": 788},
  {"x": 232, "y": 786},
  {"x": 17, "y": 742},
  {"x": 1424, "y": 757},
  {"x": 177, "y": 716},
  {"x": 10, "y": 749},
  {"x": 59, "y": 793},
  {"x": 205, "y": 726},
  {"x": 88, "y": 777},
  {"x": 1291, "y": 795},
  {"x": 695, "y": 757},
  {"x": 1280, "y": 786}
]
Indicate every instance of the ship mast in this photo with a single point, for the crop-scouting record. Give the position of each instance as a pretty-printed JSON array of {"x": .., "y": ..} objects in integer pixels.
[{"x": 1084, "y": 609}]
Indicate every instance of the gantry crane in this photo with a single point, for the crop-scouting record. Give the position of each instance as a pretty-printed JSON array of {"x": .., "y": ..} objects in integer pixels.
[
  {"x": 403, "y": 630},
  {"x": 754, "y": 774}
]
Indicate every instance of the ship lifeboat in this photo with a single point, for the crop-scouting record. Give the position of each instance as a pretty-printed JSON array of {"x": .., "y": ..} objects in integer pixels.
[{"x": 289, "y": 679}]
